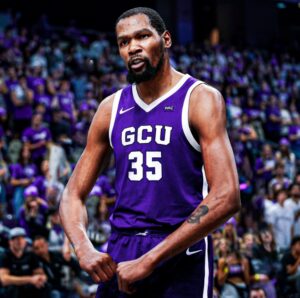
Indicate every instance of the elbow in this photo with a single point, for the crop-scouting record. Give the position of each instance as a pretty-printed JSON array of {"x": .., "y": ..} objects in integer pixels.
[{"x": 233, "y": 201}]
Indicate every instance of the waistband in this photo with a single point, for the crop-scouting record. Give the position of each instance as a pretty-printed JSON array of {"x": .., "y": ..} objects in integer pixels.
[{"x": 143, "y": 232}]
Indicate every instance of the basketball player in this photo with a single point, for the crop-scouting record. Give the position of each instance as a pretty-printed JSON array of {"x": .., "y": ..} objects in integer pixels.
[{"x": 168, "y": 135}]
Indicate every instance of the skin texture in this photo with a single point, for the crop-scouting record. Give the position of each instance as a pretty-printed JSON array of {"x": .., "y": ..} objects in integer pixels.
[{"x": 137, "y": 38}]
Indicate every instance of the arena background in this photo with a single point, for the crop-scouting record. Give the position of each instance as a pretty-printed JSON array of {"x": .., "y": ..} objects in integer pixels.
[{"x": 248, "y": 49}]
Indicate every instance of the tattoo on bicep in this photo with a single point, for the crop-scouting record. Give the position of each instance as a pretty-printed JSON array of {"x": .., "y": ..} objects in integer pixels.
[{"x": 197, "y": 214}]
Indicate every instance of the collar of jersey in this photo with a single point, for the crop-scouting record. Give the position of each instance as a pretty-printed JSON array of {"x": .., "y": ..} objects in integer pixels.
[{"x": 156, "y": 102}]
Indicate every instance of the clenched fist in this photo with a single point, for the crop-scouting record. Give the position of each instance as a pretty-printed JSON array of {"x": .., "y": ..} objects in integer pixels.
[{"x": 100, "y": 266}]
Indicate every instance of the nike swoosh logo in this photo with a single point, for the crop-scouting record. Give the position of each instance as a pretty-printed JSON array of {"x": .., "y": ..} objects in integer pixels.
[
  {"x": 189, "y": 253},
  {"x": 126, "y": 110}
]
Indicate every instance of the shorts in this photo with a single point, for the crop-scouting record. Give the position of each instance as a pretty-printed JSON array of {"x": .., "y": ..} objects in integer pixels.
[{"x": 187, "y": 275}]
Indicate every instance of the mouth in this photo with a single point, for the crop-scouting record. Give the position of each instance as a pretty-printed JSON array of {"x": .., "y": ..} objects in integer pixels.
[{"x": 137, "y": 64}]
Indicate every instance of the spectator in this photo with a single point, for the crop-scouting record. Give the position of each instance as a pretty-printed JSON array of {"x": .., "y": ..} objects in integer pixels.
[
  {"x": 294, "y": 136},
  {"x": 285, "y": 156},
  {"x": 233, "y": 275},
  {"x": 265, "y": 263},
  {"x": 282, "y": 220},
  {"x": 22, "y": 174},
  {"x": 33, "y": 215},
  {"x": 291, "y": 272},
  {"x": 22, "y": 100},
  {"x": 256, "y": 292},
  {"x": 65, "y": 102},
  {"x": 293, "y": 203},
  {"x": 56, "y": 267},
  {"x": 20, "y": 272},
  {"x": 279, "y": 181},
  {"x": 264, "y": 166},
  {"x": 36, "y": 138},
  {"x": 56, "y": 237}
]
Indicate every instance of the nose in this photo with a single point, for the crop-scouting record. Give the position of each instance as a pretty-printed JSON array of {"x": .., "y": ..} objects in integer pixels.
[{"x": 134, "y": 48}]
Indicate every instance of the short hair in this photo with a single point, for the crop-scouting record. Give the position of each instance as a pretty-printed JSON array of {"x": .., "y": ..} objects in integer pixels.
[
  {"x": 40, "y": 237},
  {"x": 295, "y": 240},
  {"x": 155, "y": 19}
]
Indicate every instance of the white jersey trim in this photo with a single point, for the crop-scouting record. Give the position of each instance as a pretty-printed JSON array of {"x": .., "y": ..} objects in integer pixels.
[
  {"x": 185, "y": 118},
  {"x": 206, "y": 271},
  {"x": 152, "y": 105},
  {"x": 114, "y": 114}
]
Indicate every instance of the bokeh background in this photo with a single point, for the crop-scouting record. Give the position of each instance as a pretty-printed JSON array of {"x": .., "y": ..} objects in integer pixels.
[{"x": 59, "y": 60}]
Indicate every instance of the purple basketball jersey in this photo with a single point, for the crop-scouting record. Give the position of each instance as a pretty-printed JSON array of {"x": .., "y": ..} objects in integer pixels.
[{"x": 160, "y": 178}]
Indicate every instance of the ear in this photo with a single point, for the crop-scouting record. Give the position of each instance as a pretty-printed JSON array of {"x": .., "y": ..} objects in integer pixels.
[{"x": 166, "y": 36}]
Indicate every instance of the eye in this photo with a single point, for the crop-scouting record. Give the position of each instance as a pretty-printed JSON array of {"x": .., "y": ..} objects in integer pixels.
[
  {"x": 144, "y": 36},
  {"x": 123, "y": 43}
]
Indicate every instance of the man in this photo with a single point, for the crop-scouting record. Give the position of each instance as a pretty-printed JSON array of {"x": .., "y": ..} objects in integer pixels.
[
  {"x": 37, "y": 138},
  {"x": 20, "y": 272},
  {"x": 291, "y": 268},
  {"x": 257, "y": 292},
  {"x": 159, "y": 246},
  {"x": 55, "y": 267}
]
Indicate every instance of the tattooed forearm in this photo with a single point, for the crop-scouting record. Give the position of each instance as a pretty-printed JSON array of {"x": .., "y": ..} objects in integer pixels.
[{"x": 197, "y": 214}]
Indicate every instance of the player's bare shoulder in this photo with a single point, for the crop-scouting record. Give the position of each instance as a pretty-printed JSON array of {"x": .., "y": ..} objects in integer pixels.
[
  {"x": 101, "y": 121},
  {"x": 206, "y": 106}
]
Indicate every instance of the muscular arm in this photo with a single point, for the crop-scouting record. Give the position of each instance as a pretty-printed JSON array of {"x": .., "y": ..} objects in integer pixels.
[
  {"x": 207, "y": 118},
  {"x": 72, "y": 207}
]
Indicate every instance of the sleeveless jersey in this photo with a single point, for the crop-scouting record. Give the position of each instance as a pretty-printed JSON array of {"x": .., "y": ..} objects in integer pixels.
[{"x": 160, "y": 178}]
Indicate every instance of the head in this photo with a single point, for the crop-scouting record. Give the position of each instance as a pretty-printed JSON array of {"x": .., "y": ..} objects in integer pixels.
[
  {"x": 249, "y": 240},
  {"x": 267, "y": 150},
  {"x": 40, "y": 246},
  {"x": 295, "y": 245},
  {"x": 295, "y": 191},
  {"x": 266, "y": 237},
  {"x": 143, "y": 42},
  {"x": 257, "y": 293},
  {"x": 279, "y": 170},
  {"x": 31, "y": 196},
  {"x": 281, "y": 196},
  {"x": 17, "y": 241},
  {"x": 37, "y": 120}
]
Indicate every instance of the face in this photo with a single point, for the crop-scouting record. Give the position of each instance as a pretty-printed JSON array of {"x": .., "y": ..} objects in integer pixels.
[
  {"x": 17, "y": 243},
  {"x": 267, "y": 150},
  {"x": 295, "y": 191},
  {"x": 37, "y": 120},
  {"x": 266, "y": 236},
  {"x": 257, "y": 294},
  {"x": 31, "y": 202},
  {"x": 40, "y": 247},
  {"x": 141, "y": 47}
]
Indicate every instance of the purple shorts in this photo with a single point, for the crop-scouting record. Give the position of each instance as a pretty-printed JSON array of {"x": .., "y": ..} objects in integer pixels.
[{"x": 187, "y": 275}]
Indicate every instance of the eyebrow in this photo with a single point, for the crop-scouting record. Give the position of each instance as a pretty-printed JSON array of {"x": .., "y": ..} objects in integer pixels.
[{"x": 135, "y": 33}]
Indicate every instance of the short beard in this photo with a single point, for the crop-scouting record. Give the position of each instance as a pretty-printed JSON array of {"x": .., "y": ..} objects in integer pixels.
[{"x": 149, "y": 73}]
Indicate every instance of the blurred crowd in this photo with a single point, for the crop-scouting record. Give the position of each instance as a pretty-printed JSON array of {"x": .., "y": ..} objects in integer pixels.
[{"x": 51, "y": 83}]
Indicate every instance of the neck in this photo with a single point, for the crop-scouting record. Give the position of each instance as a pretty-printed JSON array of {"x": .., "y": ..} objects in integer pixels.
[{"x": 164, "y": 80}]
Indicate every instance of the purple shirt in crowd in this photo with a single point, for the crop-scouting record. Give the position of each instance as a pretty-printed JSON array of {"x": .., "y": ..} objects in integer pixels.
[
  {"x": 34, "y": 136},
  {"x": 66, "y": 103}
]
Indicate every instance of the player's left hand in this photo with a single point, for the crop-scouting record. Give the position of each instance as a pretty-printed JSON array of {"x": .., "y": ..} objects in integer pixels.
[{"x": 132, "y": 271}]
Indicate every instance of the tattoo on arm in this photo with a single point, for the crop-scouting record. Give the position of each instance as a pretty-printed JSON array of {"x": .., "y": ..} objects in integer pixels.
[{"x": 197, "y": 214}]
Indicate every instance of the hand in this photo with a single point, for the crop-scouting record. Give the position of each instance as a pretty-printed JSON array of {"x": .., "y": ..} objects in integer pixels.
[
  {"x": 38, "y": 280},
  {"x": 132, "y": 271},
  {"x": 100, "y": 266}
]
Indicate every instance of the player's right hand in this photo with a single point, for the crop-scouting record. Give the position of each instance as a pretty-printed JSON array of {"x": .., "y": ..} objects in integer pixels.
[{"x": 100, "y": 266}]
